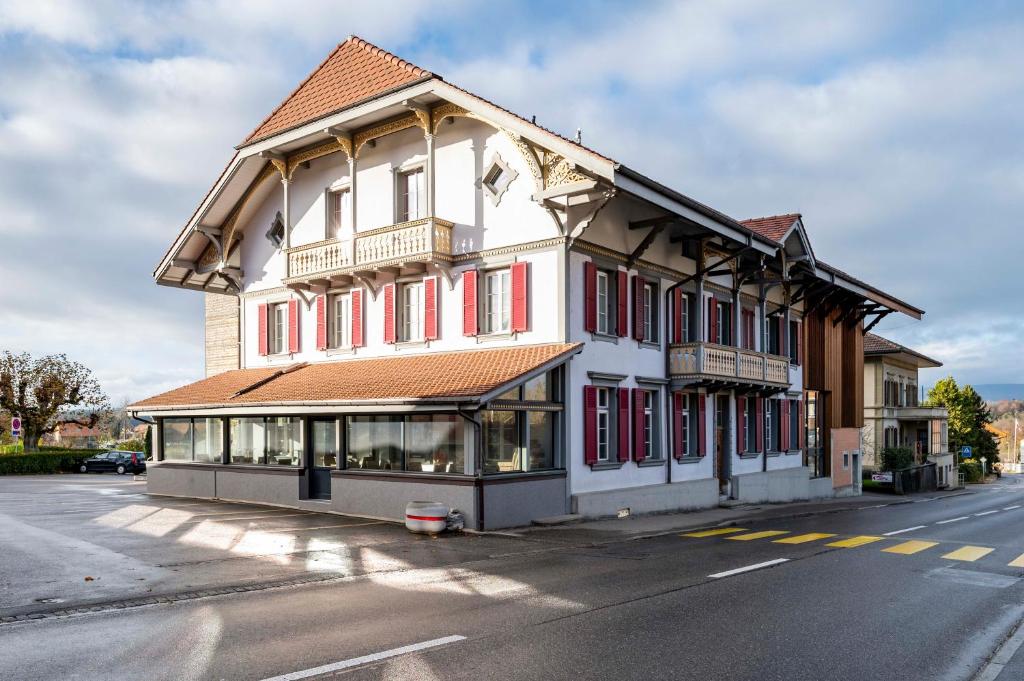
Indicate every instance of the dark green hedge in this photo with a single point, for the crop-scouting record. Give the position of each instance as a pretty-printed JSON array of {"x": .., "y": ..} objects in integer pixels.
[{"x": 45, "y": 461}]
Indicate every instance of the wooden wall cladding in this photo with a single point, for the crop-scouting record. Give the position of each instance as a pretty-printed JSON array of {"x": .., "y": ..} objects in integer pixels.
[{"x": 834, "y": 363}]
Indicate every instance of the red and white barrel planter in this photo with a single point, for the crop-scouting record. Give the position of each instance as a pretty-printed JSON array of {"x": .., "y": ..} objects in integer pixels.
[{"x": 428, "y": 517}]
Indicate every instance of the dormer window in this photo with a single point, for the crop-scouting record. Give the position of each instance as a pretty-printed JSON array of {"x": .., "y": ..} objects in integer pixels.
[
  {"x": 497, "y": 178},
  {"x": 276, "y": 232}
]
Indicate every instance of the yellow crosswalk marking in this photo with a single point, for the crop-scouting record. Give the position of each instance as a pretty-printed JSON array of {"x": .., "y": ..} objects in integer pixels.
[
  {"x": 1018, "y": 562},
  {"x": 803, "y": 538},
  {"x": 715, "y": 532},
  {"x": 969, "y": 554},
  {"x": 911, "y": 547},
  {"x": 758, "y": 535},
  {"x": 854, "y": 542}
]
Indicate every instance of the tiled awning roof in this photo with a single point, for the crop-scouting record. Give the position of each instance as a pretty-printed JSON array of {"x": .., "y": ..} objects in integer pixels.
[
  {"x": 773, "y": 227},
  {"x": 430, "y": 378}
]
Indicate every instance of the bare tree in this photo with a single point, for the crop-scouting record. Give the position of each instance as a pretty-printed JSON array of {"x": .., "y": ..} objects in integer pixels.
[{"x": 44, "y": 391}]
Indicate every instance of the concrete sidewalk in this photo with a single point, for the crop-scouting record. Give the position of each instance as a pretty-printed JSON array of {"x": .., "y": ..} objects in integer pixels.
[{"x": 608, "y": 530}]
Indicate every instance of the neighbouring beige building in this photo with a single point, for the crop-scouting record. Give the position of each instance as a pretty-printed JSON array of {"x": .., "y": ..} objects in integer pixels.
[{"x": 893, "y": 415}]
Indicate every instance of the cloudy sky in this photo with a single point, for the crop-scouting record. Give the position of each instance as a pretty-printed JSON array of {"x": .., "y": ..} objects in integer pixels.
[{"x": 895, "y": 128}]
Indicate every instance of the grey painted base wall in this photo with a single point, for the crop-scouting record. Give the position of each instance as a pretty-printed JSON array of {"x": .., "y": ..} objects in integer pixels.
[
  {"x": 506, "y": 504},
  {"x": 678, "y": 496},
  {"x": 791, "y": 484}
]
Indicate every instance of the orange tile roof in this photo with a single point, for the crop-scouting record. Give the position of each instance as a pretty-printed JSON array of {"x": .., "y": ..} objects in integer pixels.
[
  {"x": 354, "y": 72},
  {"x": 428, "y": 377},
  {"x": 773, "y": 227}
]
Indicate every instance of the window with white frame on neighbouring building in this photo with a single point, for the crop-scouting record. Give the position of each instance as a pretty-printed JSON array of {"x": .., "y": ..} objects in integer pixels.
[
  {"x": 773, "y": 424},
  {"x": 498, "y": 301},
  {"x": 341, "y": 322},
  {"x": 604, "y": 313},
  {"x": 750, "y": 425},
  {"x": 603, "y": 424},
  {"x": 685, "y": 439},
  {"x": 683, "y": 312},
  {"x": 278, "y": 331},
  {"x": 412, "y": 311},
  {"x": 340, "y": 209},
  {"x": 650, "y": 438},
  {"x": 412, "y": 195},
  {"x": 650, "y": 312}
]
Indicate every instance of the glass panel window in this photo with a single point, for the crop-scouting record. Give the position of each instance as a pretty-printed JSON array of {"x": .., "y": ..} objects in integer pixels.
[
  {"x": 434, "y": 443},
  {"x": 499, "y": 302},
  {"x": 325, "y": 443},
  {"x": 649, "y": 424},
  {"x": 538, "y": 389},
  {"x": 603, "y": 424},
  {"x": 284, "y": 440},
  {"x": 177, "y": 444},
  {"x": 602, "y": 302},
  {"x": 342, "y": 321},
  {"x": 649, "y": 313},
  {"x": 794, "y": 424},
  {"x": 686, "y": 426},
  {"x": 542, "y": 440},
  {"x": 412, "y": 311},
  {"x": 375, "y": 442},
  {"x": 341, "y": 212},
  {"x": 247, "y": 440},
  {"x": 411, "y": 195},
  {"x": 501, "y": 442},
  {"x": 684, "y": 318},
  {"x": 209, "y": 440},
  {"x": 278, "y": 328}
]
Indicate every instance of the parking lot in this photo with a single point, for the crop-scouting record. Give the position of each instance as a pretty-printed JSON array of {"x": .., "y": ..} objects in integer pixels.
[{"x": 71, "y": 541}]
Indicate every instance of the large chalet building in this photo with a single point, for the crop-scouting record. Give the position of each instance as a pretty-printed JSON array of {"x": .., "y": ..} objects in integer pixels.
[{"x": 412, "y": 293}]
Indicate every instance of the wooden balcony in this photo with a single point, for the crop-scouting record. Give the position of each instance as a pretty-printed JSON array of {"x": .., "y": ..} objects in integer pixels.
[
  {"x": 727, "y": 367},
  {"x": 395, "y": 246}
]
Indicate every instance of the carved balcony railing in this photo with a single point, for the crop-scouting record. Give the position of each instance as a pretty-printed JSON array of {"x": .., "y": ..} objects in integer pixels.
[
  {"x": 423, "y": 240},
  {"x": 720, "y": 363}
]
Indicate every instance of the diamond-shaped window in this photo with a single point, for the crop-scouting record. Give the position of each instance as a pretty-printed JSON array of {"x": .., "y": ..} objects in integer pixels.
[{"x": 497, "y": 178}]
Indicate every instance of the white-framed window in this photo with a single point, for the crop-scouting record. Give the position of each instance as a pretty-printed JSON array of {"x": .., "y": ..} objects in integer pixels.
[
  {"x": 649, "y": 424},
  {"x": 278, "y": 328},
  {"x": 769, "y": 421},
  {"x": 412, "y": 195},
  {"x": 602, "y": 302},
  {"x": 412, "y": 311},
  {"x": 340, "y": 212},
  {"x": 341, "y": 329},
  {"x": 498, "y": 307},
  {"x": 684, "y": 317},
  {"x": 603, "y": 424},
  {"x": 749, "y": 436},
  {"x": 649, "y": 307},
  {"x": 686, "y": 425}
]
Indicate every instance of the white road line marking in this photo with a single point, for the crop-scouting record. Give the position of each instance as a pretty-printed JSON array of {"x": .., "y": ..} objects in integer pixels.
[
  {"x": 366, "y": 659},
  {"x": 1010, "y": 508},
  {"x": 953, "y": 520},
  {"x": 1002, "y": 657},
  {"x": 905, "y": 529},
  {"x": 749, "y": 568},
  {"x": 987, "y": 512}
]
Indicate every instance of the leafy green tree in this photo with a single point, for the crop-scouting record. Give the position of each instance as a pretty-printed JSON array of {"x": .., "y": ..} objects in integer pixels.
[
  {"x": 968, "y": 415},
  {"x": 44, "y": 391}
]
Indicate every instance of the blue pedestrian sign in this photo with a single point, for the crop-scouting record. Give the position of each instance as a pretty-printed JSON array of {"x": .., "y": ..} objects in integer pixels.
[{"x": 965, "y": 452}]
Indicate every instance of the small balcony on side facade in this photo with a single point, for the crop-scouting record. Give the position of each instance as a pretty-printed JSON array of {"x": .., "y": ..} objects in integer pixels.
[
  {"x": 426, "y": 240},
  {"x": 725, "y": 367}
]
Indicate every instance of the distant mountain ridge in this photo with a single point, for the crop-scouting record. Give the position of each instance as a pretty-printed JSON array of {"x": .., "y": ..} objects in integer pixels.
[{"x": 994, "y": 392}]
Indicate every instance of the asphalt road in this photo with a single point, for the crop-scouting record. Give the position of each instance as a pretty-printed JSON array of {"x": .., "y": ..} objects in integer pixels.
[{"x": 876, "y": 607}]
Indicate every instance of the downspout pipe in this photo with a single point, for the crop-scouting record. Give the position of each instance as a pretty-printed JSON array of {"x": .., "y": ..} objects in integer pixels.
[{"x": 478, "y": 464}]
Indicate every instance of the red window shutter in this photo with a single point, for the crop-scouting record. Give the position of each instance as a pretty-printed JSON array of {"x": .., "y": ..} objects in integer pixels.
[
  {"x": 712, "y": 320},
  {"x": 293, "y": 326},
  {"x": 357, "y": 318},
  {"x": 623, "y": 425},
  {"x": 622, "y": 303},
  {"x": 262, "y": 330},
  {"x": 784, "y": 427},
  {"x": 589, "y": 297},
  {"x": 639, "y": 451},
  {"x": 430, "y": 308},
  {"x": 759, "y": 416},
  {"x": 519, "y": 272},
  {"x": 677, "y": 425},
  {"x": 677, "y": 315},
  {"x": 321, "y": 322},
  {"x": 702, "y": 426},
  {"x": 589, "y": 424},
  {"x": 741, "y": 430},
  {"x": 389, "y": 313},
  {"x": 801, "y": 429},
  {"x": 782, "y": 335},
  {"x": 469, "y": 316},
  {"x": 638, "y": 307}
]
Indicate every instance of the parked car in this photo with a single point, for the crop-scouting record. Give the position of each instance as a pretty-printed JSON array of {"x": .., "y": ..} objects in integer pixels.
[{"x": 116, "y": 461}]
